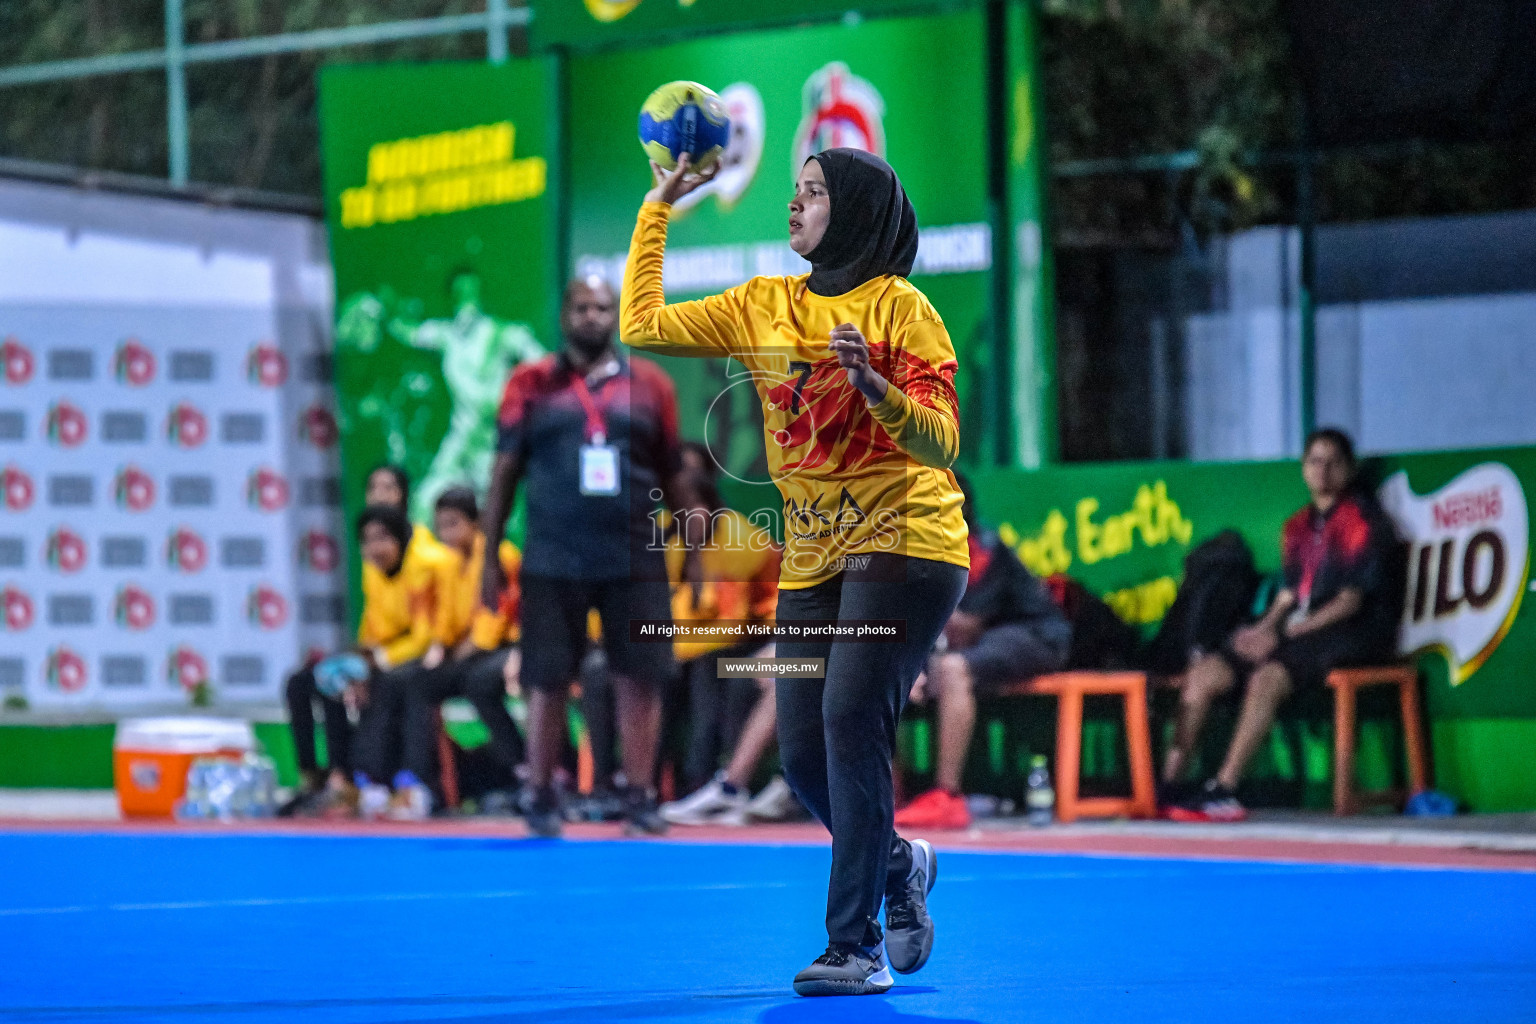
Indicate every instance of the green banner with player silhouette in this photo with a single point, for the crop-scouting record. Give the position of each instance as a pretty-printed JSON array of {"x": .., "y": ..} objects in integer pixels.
[{"x": 441, "y": 199}]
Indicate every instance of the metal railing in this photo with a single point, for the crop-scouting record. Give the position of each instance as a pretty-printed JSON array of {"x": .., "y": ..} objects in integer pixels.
[{"x": 174, "y": 57}]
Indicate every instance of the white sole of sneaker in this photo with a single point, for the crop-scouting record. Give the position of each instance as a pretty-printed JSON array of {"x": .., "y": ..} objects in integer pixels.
[{"x": 876, "y": 984}]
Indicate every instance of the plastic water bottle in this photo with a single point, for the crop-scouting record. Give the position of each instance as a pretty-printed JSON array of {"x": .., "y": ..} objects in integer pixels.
[{"x": 1040, "y": 797}]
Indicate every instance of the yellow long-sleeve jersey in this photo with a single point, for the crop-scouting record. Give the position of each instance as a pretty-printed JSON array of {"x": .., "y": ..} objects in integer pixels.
[
  {"x": 490, "y": 628},
  {"x": 855, "y": 478},
  {"x": 402, "y": 614}
]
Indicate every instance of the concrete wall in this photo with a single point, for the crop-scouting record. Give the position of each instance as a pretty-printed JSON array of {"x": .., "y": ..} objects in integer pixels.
[{"x": 1426, "y": 338}]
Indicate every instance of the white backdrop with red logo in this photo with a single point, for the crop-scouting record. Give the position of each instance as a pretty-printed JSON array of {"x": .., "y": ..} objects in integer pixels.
[{"x": 168, "y": 505}]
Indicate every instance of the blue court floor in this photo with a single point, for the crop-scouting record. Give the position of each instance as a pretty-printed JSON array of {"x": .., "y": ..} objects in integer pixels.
[{"x": 248, "y": 929}]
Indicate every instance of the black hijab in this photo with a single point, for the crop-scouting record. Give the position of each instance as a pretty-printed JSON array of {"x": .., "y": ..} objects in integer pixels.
[{"x": 873, "y": 228}]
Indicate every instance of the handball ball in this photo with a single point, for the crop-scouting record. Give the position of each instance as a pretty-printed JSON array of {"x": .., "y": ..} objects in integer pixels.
[{"x": 684, "y": 117}]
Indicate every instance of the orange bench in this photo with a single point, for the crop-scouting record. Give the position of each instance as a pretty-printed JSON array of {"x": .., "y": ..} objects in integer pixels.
[
  {"x": 1069, "y": 688},
  {"x": 1345, "y": 683}
]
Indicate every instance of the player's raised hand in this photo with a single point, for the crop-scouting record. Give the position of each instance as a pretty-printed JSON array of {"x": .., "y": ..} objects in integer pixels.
[{"x": 670, "y": 186}]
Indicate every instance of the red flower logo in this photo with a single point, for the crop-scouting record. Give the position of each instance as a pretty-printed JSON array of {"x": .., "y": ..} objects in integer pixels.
[
  {"x": 134, "y": 364},
  {"x": 186, "y": 425},
  {"x": 186, "y": 668},
  {"x": 266, "y": 489},
  {"x": 67, "y": 425},
  {"x": 266, "y": 366},
  {"x": 266, "y": 608},
  {"x": 66, "y": 550},
  {"x": 18, "y": 489},
  {"x": 186, "y": 551},
  {"x": 135, "y": 609},
  {"x": 317, "y": 425},
  {"x": 135, "y": 489},
  {"x": 18, "y": 608},
  {"x": 319, "y": 551},
  {"x": 17, "y": 361},
  {"x": 65, "y": 670}
]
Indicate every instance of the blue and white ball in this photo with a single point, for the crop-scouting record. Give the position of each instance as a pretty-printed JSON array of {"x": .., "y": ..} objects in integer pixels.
[{"x": 684, "y": 117}]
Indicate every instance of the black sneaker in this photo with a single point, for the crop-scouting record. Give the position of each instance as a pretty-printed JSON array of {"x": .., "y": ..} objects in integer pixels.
[
  {"x": 302, "y": 804},
  {"x": 543, "y": 815},
  {"x": 603, "y": 804},
  {"x": 640, "y": 810},
  {"x": 908, "y": 928},
  {"x": 1213, "y": 802},
  {"x": 846, "y": 970}
]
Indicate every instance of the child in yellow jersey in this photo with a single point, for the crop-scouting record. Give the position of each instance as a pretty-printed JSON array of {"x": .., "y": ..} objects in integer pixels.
[
  {"x": 472, "y": 655},
  {"x": 385, "y": 485},
  {"x": 404, "y": 586},
  {"x": 388, "y": 485},
  {"x": 856, "y": 375}
]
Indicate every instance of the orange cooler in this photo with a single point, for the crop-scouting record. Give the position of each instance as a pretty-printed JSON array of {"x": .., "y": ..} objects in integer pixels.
[{"x": 150, "y": 758}]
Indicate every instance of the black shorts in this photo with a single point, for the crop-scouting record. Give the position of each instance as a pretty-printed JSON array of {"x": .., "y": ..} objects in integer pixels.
[
  {"x": 554, "y": 636},
  {"x": 1012, "y": 651},
  {"x": 1308, "y": 658}
]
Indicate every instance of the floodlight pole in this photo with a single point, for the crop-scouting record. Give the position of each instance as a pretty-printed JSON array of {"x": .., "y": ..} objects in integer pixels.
[{"x": 176, "y": 93}]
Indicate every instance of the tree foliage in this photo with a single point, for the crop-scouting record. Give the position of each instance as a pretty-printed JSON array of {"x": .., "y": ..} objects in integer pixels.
[{"x": 1123, "y": 78}]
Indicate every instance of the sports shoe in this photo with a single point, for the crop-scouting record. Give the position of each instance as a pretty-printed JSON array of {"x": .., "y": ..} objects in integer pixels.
[
  {"x": 602, "y": 804},
  {"x": 543, "y": 815},
  {"x": 410, "y": 803},
  {"x": 908, "y": 928},
  {"x": 372, "y": 801},
  {"x": 846, "y": 970},
  {"x": 935, "y": 809},
  {"x": 306, "y": 800},
  {"x": 1213, "y": 802},
  {"x": 338, "y": 800},
  {"x": 776, "y": 802},
  {"x": 640, "y": 810},
  {"x": 717, "y": 802}
]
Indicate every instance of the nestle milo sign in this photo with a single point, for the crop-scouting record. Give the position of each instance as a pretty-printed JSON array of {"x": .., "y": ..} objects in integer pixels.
[
  {"x": 1468, "y": 563},
  {"x": 1124, "y": 528}
]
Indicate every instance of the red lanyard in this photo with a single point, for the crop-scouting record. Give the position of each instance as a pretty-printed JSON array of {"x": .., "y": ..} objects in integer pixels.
[{"x": 597, "y": 432}]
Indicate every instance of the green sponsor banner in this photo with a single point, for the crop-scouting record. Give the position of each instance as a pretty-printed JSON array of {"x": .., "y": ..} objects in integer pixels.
[
  {"x": 874, "y": 85},
  {"x": 1123, "y": 529},
  {"x": 586, "y": 23},
  {"x": 440, "y": 191}
]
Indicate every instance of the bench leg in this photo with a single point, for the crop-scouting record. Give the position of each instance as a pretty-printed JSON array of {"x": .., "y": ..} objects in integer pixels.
[
  {"x": 1138, "y": 740},
  {"x": 1069, "y": 753},
  {"x": 1343, "y": 750},
  {"x": 1413, "y": 737},
  {"x": 448, "y": 771},
  {"x": 586, "y": 769}
]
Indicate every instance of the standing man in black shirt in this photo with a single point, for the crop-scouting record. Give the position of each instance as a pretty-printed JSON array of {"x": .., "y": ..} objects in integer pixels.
[{"x": 593, "y": 434}]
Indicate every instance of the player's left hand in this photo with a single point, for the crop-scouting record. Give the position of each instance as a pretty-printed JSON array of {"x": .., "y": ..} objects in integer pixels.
[{"x": 852, "y": 353}]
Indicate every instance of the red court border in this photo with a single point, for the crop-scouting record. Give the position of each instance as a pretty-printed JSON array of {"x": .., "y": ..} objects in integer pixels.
[{"x": 1021, "y": 841}]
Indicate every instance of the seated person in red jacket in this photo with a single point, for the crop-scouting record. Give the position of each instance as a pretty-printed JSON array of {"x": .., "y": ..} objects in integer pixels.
[
  {"x": 1007, "y": 628},
  {"x": 1336, "y": 609}
]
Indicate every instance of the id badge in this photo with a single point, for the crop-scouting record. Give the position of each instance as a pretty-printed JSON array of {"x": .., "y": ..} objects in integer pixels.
[{"x": 599, "y": 470}]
